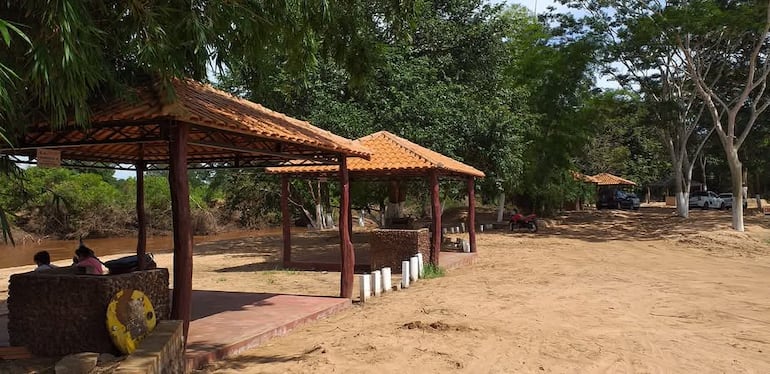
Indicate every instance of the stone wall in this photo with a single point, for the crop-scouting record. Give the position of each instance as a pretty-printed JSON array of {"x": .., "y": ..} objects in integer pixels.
[
  {"x": 389, "y": 247},
  {"x": 161, "y": 352},
  {"x": 58, "y": 312}
]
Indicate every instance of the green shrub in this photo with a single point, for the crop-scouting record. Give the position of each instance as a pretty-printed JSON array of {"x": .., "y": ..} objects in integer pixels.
[{"x": 432, "y": 271}]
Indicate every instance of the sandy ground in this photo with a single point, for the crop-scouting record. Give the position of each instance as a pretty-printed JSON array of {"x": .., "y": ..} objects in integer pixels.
[{"x": 596, "y": 291}]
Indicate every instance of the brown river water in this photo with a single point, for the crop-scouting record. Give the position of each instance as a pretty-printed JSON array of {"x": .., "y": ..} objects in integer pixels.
[{"x": 21, "y": 254}]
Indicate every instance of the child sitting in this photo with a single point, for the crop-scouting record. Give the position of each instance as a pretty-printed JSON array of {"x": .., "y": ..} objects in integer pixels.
[
  {"x": 43, "y": 261},
  {"x": 85, "y": 258}
]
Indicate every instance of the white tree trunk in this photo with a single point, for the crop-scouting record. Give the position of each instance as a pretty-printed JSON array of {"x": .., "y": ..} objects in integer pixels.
[
  {"x": 682, "y": 200},
  {"x": 319, "y": 216},
  {"x": 500, "y": 206},
  {"x": 394, "y": 210},
  {"x": 682, "y": 194},
  {"x": 736, "y": 175}
]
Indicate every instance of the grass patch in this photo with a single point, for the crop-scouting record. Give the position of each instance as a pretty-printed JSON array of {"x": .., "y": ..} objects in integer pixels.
[{"x": 432, "y": 271}]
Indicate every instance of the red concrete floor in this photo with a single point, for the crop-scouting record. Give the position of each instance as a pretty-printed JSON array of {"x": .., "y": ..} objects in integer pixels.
[{"x": 225, "y": 324}]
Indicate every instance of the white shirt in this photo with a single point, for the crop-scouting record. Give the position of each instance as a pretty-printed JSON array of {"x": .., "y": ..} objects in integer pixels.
[{"x": 45, "y": 267}]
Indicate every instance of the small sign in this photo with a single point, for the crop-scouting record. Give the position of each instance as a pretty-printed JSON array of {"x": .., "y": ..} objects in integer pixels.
[{"x": 48, "y": 158}]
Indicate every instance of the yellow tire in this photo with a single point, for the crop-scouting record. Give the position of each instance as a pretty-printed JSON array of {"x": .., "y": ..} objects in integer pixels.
[{"x": 130, "y": 317}]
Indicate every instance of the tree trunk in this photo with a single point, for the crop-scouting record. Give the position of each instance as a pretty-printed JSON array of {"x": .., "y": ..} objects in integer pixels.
[
  {"x": 500, "y": 206},
  {"x": 394, "y": 209},
  {"x": 319, "y": 215},
  {"x": 736, "y": 174},
  {"x": 703, "y": 172},
  {"x": 682, "y": 197}
]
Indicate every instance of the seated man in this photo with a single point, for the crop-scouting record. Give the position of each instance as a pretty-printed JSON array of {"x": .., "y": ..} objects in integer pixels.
[{"x": 43, "y": 261}]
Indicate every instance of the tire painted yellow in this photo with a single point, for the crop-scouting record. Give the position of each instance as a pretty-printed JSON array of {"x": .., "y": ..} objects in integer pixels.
[{"x": 130, "y": 317}]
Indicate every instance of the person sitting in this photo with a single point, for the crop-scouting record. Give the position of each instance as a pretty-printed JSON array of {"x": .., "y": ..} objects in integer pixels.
[
  {"x": 86, "y": 259},
  {"x": 43, "y": 261}
]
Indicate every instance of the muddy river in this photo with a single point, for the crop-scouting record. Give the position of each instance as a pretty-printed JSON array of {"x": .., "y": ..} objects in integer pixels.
[{"x": 21, "y": 254}]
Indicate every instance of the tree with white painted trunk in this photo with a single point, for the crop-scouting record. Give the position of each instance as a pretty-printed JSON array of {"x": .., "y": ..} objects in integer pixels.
[
  {"x": 638, "y": 55},
  {"x": 726, "y": 53}
]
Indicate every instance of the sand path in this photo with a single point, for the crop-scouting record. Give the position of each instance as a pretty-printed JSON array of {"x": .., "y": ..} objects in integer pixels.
[{"x": 608, "y": 300}]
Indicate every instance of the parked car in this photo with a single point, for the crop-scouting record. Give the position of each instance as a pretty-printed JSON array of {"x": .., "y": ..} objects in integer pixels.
[
  {"x": 706, "y": 200},
  {"x": 728, "y": 199},
  {"x": 617, "y": 199}
]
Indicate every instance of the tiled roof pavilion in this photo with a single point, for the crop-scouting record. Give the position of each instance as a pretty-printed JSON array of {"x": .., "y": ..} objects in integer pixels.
[
  {"x": 224, "y": 130},
  {"x": 196, "y": 126},
  {"x": 607, "y": 179},
  {"x": 392, "y": 157}
]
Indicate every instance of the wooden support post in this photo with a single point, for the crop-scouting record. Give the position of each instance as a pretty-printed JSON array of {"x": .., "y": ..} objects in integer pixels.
[
  {"x": 435, "y": 247},
  {"x": 286, "y": 219},
  {"x": 472, "y": 213},
  {"x": 350, "y": 219},
  {"x": 180, "y": 212},
  {"x": 141, "y": 218},
  {"x": 346, "y": 246}
]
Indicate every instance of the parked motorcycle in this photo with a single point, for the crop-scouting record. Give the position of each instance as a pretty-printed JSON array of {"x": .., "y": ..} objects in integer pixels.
[{"x": 519, "y": 221}]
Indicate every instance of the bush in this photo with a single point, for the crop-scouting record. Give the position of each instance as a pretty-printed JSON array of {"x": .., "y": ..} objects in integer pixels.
[{"x": 432, "y": 271}]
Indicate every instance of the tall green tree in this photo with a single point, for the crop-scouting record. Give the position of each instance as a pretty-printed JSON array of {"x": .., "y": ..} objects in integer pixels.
[
  {"x": 555, "y": 68},
  {"x": 697, "y": 58},
  {"x": 446, "y": 88},
  {"x": 79, "y": 53},
  {"x": 623, "y": 142},
  {"x": 639, "y": 55},
  {"x": 725, "y": 47},
  {"x": 86, "y": 51}
]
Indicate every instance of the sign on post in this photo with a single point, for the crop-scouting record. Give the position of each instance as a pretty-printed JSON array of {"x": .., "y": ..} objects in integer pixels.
[{"x": 48, "y": 158}]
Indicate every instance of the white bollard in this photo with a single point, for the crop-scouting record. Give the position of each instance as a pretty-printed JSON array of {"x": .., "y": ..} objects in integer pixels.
[
  {"x": 361, "y": 221},
  {"x": 444, "y": 230},
  {"x": 366, "y": 290},
  {"x": 404, "y": 274},
  {"x": 377, "y": 282},
  {"x": 420, "y": 265},
  {"x": 466, "y": 246},
  {"x": 386, "y": 280},
  {"x": 462, "y": 226},
  {"x": 414, "y": 270},
  {"x": 481, "y": 228}
]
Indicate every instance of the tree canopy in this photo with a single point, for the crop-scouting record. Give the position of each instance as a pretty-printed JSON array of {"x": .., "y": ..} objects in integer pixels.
[{"x": 494, "y": 86}]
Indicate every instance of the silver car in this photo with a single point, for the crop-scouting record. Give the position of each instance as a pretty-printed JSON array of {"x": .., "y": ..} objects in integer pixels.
[
  {"x": 728, "y": 199},
  {"x": 706, "y": 200}
]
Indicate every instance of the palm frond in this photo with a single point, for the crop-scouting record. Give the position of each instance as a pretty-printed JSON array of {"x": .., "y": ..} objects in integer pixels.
[{"x": 5, "y": 227}]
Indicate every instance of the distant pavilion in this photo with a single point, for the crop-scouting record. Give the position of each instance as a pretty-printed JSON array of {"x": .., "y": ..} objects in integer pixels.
[{"x": 392, "y": 158}]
